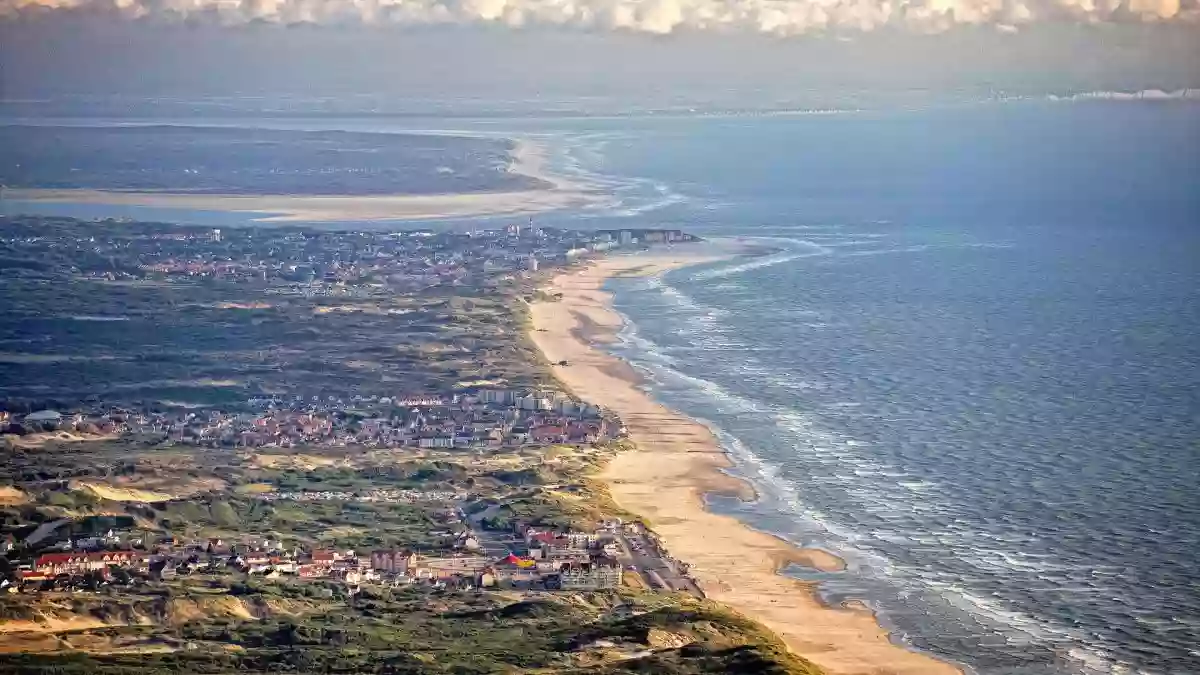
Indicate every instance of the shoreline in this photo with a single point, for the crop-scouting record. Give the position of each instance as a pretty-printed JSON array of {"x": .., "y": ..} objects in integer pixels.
[
  {"x": 528, "y": 158},
  {"x": 678, "y": 460}
]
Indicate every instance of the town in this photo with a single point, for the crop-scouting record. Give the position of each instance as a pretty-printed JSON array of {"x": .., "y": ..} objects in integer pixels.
[{"x": 487, "y": 418}]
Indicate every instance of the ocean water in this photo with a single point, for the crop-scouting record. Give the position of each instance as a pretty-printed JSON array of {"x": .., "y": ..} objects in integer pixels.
[{"x": 971, "y": 366}]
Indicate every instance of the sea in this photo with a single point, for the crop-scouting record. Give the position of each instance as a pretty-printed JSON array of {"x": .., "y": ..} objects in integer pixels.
[{"x": 965, "y": 357}]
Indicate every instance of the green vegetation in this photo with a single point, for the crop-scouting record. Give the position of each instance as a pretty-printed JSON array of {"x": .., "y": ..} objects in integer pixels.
[
  {"x": 419, "y": 631},
  {"x": 220, "y": 340}
]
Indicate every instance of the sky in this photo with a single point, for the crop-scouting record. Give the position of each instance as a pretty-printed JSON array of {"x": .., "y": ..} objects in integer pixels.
[{"x": 662, "y": 52}]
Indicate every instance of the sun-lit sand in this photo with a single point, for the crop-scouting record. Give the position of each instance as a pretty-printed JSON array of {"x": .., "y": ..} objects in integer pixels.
[
  {"x": 528, "y": 159},
  {"x": 678, "y": 460}
]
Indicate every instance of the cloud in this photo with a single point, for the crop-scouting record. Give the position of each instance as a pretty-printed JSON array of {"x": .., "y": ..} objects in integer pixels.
[
  {"x": 777, "y": 17},
  {"x": 1142, "y": 95}
]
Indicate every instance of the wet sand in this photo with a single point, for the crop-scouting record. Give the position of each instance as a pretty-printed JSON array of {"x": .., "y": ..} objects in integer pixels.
[
  {"x": 528, "y": 159},
  {"x": 678, "y": 461}
]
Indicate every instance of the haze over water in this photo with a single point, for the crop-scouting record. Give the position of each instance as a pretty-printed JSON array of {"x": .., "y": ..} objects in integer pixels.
[{"x": 972, "y": 369}]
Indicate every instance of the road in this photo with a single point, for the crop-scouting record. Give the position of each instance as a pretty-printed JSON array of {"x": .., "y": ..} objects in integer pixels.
[
  {"x": 494, "y": 543},
  {"x": 655, "y": 570},
  {"x": 44, "y": 530},
  {"x": 635, "y": 550}
]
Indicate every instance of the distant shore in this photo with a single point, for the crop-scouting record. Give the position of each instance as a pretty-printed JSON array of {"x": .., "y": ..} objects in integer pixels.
[
  {"x": 528, "y": 159},
  {"x": 678, "y": 461}
]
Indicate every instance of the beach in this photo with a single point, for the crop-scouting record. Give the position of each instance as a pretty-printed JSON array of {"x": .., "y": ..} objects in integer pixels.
[
  {"x": 528, "y": 158},
  {"x": 678, "y": 461}
]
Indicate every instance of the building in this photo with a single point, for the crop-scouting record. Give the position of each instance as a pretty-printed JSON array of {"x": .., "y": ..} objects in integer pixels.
[
  {"x": 394, "y": 562},
  {"x": 532, "y": 402},
  {"x": 78, "y": 563},
  {"x": 312, "y": 571},
  {"x": 600, "y": 572},
  {"x": 324, "y": 557},
  {"x": 550, "y": 545},
  {"x": 497, "y": 396},
  {"x": 625, "y": 238},
  {"x": 349, "y": 576},
  {"x": 163, "y": 570},
  {"x": 531, "y": 263},
  {"x": 44, "y": 417}
]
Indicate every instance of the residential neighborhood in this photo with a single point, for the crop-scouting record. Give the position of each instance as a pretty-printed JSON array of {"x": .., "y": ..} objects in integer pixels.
[{"x": 538, "y": 560}]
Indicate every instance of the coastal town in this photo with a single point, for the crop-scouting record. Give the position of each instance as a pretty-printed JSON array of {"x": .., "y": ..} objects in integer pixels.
[
  {"x": 514, "y": 555},
  {"x": 306, "y": 414},
  {"x": 311, "y": 262},
  {"x": 486, "y": 418},
  {"x": 111, "y": 318}
]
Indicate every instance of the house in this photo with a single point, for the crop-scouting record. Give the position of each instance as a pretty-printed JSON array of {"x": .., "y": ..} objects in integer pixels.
[
  {"x": 284, "y": 565},
  {"x": 350, "y": 576},
  {"x": 548, "y": 433},
  {"x": 312, "y": 571},
  {"x": 545, "y": 545},
  {"x": 78, "y": 563},
  {"x": 486, "y": 579},
  {"x": 324, "y": 557}
]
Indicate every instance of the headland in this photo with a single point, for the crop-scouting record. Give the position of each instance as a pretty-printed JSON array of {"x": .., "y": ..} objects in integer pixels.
[{"x": 527, "y": 158}]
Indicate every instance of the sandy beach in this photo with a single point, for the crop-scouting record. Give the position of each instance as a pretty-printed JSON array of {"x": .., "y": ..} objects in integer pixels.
[
  {"x": 528, "y": 159},
  {"x": 678, "y": 461}
]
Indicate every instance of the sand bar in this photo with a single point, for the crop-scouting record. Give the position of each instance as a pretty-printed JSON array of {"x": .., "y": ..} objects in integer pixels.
[
  {"x": 678, "y": 461},
  {"x": 529, "y": 158}
]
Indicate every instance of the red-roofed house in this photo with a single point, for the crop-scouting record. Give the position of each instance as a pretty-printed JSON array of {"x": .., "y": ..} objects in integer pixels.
[
  {"x": 78, "y": 563},
  {"x": 322, "y": 557},
  {"x": 548, "y": 433}
]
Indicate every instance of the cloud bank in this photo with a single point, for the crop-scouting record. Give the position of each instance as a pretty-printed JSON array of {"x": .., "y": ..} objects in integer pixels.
[{"x": 775, "y": 17}]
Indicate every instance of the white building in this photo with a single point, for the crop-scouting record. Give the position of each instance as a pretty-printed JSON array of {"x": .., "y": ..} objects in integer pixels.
[{"x": 52, "y": 416}]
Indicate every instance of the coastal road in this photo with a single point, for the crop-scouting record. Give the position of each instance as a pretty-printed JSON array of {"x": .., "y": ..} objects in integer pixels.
[{"x": 654, "y": 569}]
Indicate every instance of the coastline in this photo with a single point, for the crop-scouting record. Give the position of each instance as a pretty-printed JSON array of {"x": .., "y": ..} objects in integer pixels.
[
  {"x": 678, "y": 461},
  {"x": 528, "y": 159}
]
